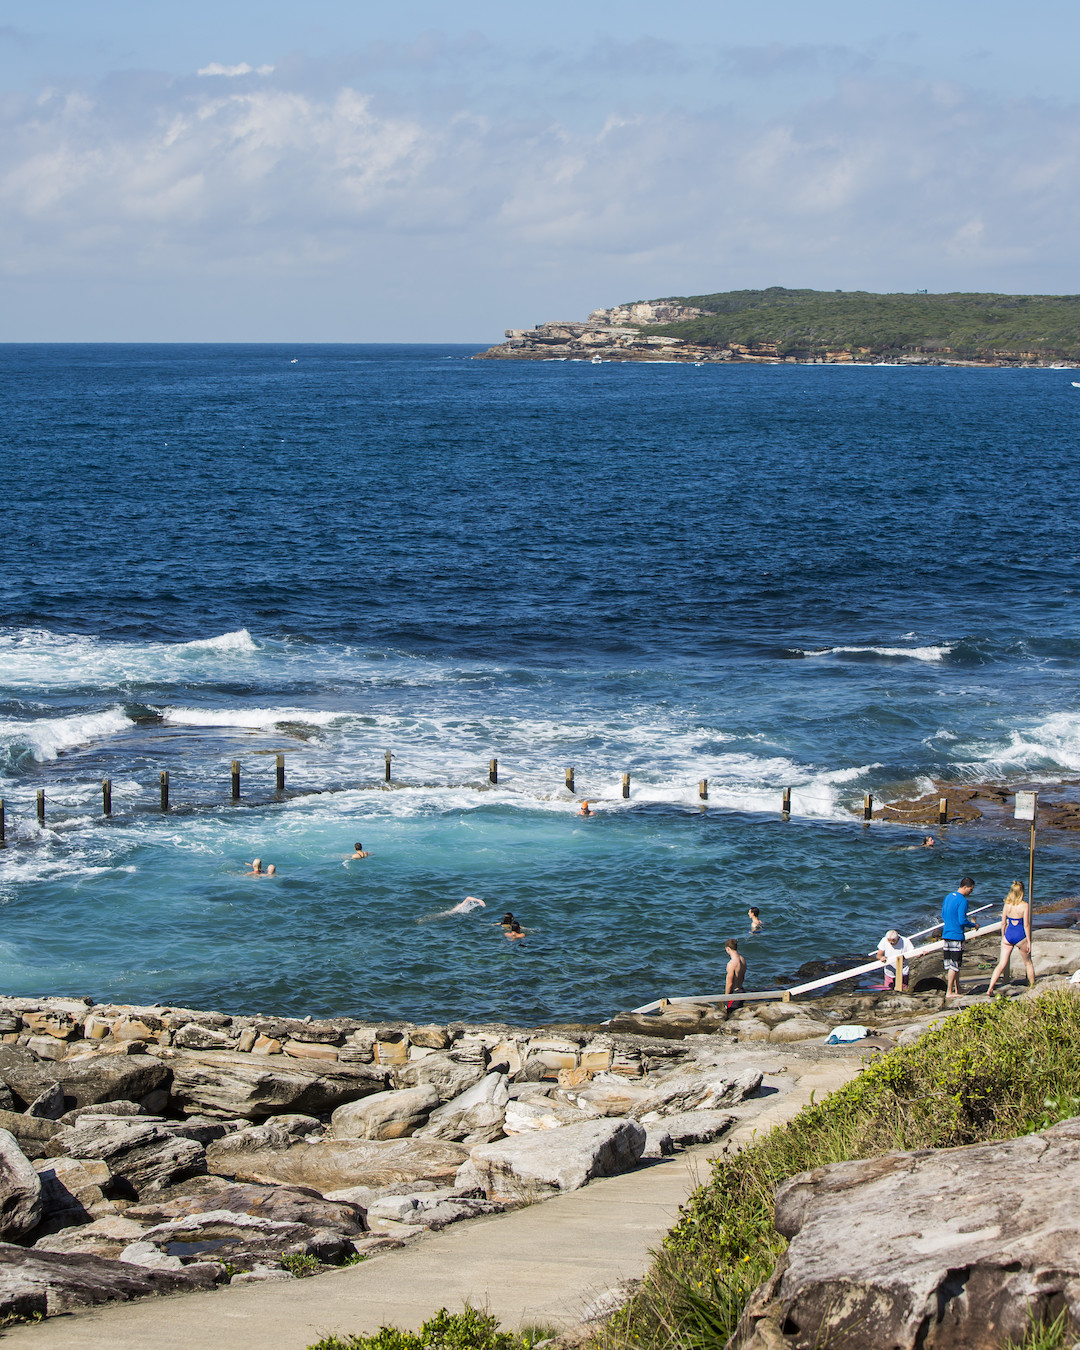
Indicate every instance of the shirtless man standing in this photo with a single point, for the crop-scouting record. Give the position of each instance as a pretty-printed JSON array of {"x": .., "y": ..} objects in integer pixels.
[{"x": 736, "y": 970}]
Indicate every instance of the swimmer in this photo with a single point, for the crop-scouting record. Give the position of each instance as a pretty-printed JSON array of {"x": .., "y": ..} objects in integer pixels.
[
  {"x": 515, "y": 931},
  {"x": 736, "y": 971},
  {"x": 507, "y": 919},
  {"x": 271, "y": 871},
  {"x": 928, "y": 841},
  {"x": 256, "y": 868},
  {"x": 469, "y": 903},
  {"x": 754, "y": 915},
  {"x": 359, "y": 851},
  {"x": 584, "y": 809}
]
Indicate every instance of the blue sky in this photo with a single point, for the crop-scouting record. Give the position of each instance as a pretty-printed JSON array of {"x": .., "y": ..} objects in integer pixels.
[{"x": 339, "y": 171}]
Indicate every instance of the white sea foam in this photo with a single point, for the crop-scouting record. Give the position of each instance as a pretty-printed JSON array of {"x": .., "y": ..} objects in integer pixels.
[
  {"x": 914, "y": 653},
  {"x": 48, "y": 737},
  {"x": 240, "y": 641},
  {"x": 253, "y": 718}
]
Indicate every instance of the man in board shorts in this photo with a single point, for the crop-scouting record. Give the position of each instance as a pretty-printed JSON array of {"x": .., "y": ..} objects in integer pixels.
[{"x": 955, "y": 923}]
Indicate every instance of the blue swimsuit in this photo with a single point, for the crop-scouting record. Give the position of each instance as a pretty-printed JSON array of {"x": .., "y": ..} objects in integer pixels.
[{"x": 1015, "y": 930}]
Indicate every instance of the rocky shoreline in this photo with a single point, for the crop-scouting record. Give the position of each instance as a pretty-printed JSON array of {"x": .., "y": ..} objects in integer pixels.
[
  {"x": 148, "y": 1150},
  {"x": 619, "y": 334}
]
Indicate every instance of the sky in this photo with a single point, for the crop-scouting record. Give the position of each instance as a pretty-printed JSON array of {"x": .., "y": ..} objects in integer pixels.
[{"x": 345, "y": 171}]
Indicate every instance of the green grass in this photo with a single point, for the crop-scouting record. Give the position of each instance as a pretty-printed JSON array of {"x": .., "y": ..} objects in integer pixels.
[
  {"x": 991, "y": 1072},
  {"x": 468, "y": 1330},
  {"x": 299, "y": 1265},
  {"x": 807, "y": 323}
]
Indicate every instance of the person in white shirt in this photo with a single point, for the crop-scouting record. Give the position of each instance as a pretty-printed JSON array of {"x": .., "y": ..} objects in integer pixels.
[{"x": 891, "y": 947}]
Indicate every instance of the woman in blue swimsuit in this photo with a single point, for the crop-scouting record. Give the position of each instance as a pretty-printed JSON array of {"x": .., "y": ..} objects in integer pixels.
[{"x": 1014, "y": 933}]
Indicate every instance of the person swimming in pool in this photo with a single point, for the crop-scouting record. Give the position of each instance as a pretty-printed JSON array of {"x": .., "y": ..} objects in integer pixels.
[
  {"x": 514, "y": 931},
  {"x": 358, "y": 851},
  {"x": 256, "y": 868}
]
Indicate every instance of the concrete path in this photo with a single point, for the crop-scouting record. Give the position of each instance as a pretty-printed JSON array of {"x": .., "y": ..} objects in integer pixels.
[{"x": 541, "y": 1264}]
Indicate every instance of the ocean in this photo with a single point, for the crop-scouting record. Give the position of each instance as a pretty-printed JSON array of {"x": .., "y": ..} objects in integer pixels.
[{"x": 835, "y": 579}]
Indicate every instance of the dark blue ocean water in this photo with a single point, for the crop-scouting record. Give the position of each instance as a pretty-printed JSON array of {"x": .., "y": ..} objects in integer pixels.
[{"x": 835, "y": 579}]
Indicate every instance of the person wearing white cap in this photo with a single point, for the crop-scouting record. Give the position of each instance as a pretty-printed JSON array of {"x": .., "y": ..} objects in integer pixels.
[{"x": 890, "y": 949}]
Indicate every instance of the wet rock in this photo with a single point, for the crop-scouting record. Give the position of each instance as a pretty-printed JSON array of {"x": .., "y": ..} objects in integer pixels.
[
  {"x": 385, "y": 1115},
  {"x": 981, "y": 1243},
  {"x": 475, "y": 1117},
  {"x": 547, "y": 1161},
  {"x": 283, "y": 1204},
  {"x": 335, "y": 1164},
  {"x": 230, "y": 1083},
  {"x": 20, "y": 1190},
  {"x": 144, "y": 1156},
  {"x": 36, "y": 1282}
]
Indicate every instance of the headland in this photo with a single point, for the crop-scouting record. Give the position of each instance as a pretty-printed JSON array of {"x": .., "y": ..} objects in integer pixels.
[{"x": 778, "y": 325}]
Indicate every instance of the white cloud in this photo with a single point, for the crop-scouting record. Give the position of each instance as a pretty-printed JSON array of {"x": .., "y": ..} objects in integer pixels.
[
  {"x": 216, "y": 68},
  {"x": 882, "y": 185}
]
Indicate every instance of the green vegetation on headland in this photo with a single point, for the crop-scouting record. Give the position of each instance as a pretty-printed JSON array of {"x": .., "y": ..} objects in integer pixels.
[
  {"x": 807, "y": 324},
  {"x": 994, "y": 1071}
]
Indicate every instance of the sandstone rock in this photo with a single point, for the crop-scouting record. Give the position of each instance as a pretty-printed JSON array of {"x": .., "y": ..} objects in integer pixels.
[
  {"x": 704, "y": 1089},
  {"x": 73, "y": 1191},
  {"x": 385, "y": 1115},
  {"x": 429, "y": 1210},
  {"x": 980, "y": 1242},
  {"x": 547, "y": 1161},
  {"x": 141, "y": 1154},
  {"x": 691, "y": 1127},
  {"x": 612, "y": 1095},
  {"x": 60, "y": 1025},
  {"x": 49, "y": 1105},
  {"x": 334, "y": 1164},
  {"x": 146, "y": 1254},
  {"x": 282, "y": 1204},
  {"x": 277, "y": 1132},
  {"x": 473, "y": 1118},
  {"x": 93, "y": 1078},
  {"x": 448, "y": 1074},
  {"x": 20, "y": 1190},
  {"x": 266, "y": 1045},
  {"x": 431, "y": 1037},
  {"x": 32, "y": 1133},
  {"x": 102, "y": 1109},
  {"x": 230, "y": 1083},
  {"x": 658, "y": 1143},
  {"x": 194, "y": 1037},
  {"x": 525, "y": 1114},
  {"x": 35, "y": 1282},
  {"x": 106, "y": 1236},
  {"x": 260, "y": 1273},
  {"x": 46, "y": 1047},
  {"x": 241, "y": 1239},
  {"x": 247, "y": 1039},
  {"x": 310, "y": 1050},
  {"x": 798, "y": 1029}
]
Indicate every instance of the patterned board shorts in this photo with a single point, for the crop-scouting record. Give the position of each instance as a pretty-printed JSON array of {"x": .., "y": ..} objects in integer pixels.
[{"x": 954, "y": 955}]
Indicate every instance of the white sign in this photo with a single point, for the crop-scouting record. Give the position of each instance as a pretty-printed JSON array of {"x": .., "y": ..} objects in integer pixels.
[{"x": 1026, "y": 803}]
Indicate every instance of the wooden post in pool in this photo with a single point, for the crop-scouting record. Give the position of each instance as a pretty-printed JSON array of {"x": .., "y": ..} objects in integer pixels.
[
  {"x": 164, "y": 789},
  {"x": 785, "y": 810},
  {"x": 3, "y": 841},
  {"x": 868, "y": 807},
  {"x": 570, "y": 778},
  {"x": 493, "y": 771},
  {"x": 703, "y": 789},
  {"x": 41, "y": 806},
  {"x": 943, "y": 811},
  {"x": 279, "y": 770},
  {"x": 236, "y": 780},
  {"x": 387, "y": 757},
  {"x": 626, "y": 785},
  {"x": 106, "y": 796}
]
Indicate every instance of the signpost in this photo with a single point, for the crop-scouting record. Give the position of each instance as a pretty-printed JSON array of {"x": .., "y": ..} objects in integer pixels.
[{"x": 1027, "y": 808}]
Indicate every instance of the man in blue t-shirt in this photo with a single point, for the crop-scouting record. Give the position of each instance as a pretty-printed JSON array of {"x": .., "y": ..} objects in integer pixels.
[{"x": 955, "y": 922}]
